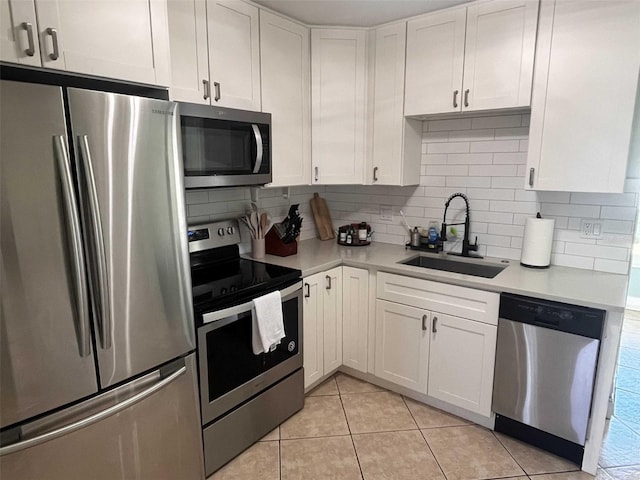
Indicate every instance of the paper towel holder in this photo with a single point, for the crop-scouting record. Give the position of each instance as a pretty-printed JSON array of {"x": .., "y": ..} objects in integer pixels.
[{"x": 537, "y": 242}]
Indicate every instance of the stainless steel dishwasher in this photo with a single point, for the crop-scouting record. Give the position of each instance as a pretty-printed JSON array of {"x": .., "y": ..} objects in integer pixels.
[{"x": 546, "y": 360}]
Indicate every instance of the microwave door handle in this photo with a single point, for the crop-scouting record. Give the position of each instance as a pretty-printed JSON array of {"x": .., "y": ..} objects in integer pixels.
[{"x": 259, "y": 152}]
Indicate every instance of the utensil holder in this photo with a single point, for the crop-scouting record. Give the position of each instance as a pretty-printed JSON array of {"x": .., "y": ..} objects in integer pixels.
[{"x": 257, "y": 248}]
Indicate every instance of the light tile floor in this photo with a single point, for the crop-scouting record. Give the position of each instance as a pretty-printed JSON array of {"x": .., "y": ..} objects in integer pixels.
[{"x": 350, "y": 429}]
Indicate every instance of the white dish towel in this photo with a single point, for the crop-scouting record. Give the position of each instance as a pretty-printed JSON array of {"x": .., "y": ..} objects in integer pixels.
[{"x": 267, "y": 322}]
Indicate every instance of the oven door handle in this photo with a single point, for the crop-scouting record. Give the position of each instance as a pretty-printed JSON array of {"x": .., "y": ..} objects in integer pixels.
[{"x": 245, "y": 307}]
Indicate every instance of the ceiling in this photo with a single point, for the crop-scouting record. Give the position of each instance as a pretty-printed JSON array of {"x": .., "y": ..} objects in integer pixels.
[{"x": 356, "y": 13}]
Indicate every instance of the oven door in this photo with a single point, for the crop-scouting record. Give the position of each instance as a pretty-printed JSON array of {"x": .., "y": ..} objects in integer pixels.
[{"x": 230, "y": 373}]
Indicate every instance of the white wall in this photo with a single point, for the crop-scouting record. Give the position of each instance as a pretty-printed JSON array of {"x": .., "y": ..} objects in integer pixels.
[{"x": 485, "y": 158}]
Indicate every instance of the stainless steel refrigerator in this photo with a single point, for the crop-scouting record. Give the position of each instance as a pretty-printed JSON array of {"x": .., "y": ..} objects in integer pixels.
[{"x": 97, "y": 367}]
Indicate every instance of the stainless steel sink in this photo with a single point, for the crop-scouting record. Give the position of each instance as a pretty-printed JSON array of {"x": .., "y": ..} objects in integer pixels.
[{"x": 475, "y": 268}]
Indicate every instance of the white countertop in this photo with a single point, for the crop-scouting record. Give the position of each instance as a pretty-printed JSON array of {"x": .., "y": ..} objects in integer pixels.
[{"x": 606, "y": 291}]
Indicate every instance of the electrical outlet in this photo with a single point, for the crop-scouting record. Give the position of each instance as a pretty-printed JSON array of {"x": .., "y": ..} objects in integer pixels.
[
  {"x": 590, "y": 228},
  {"x": 386, "y": 213}
]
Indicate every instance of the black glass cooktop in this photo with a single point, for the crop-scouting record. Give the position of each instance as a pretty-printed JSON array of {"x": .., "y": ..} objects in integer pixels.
[{"x": 232, "y": 281}]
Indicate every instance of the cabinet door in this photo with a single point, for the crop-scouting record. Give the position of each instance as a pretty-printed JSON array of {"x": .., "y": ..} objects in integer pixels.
[
  {"x": 98, "y": 38},
  {"x": 189, "y": 56},
  {"x": 435, "y": 57},
  {"x": 498, "y": 56},
  {"x": 285, "y": 67},
  {"x": 355, "y": 321},
  {"x": 19, "y": 32},
  {"x": 234, "y": 55},
  {"x": 338, "y": 93},
  {"x": 402, "y": 345},
  {"x": 313, "y": 341},
  {"x": 584, "y": 93},
  {"x": 332, "y": 319},
  {"x": 461, "y": 362}
]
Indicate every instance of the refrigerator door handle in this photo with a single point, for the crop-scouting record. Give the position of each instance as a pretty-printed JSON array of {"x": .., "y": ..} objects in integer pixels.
[
  {"x": 104, "y": 314},
  {"x": 73, "y": 231},
  {"x": 90, "y": 420}
]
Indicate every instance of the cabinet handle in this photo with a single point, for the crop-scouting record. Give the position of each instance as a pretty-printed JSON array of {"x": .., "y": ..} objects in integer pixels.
[
  {"x": 207, "y": 89},
  {"x": 455, "y": 98},
  {"x": 328, "y": 282},
  {"x": 434, "y": 329},
  {"x": 29, "y": 29},
  {"x": 316, "y": 170},
  {"x": 532, "y": 172},
  {"x": 466, "y": 97},
  {"x": 54, "y": 40},
  {"x": 216, "y": 86},
  {"x": 375, "y": 174},
  {"x": 308, "y": 293},
  {"x": 424, "y": 322}
]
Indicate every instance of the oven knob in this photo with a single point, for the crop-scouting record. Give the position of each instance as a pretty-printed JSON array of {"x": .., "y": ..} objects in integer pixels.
[
  {"x": 221, "y": 232},
  {"x": 233, "y": 288},
  {"x": 230, "y": 231},
  {"x": 292, "y": 346},
  {"x": 223, "y": 291}
]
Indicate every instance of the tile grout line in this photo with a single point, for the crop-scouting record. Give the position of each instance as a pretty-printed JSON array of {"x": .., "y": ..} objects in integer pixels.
[
  {"x": 424, "y": 438},
  {"x": 509, "y": 452},
  {"x": 355, "y": 451}
]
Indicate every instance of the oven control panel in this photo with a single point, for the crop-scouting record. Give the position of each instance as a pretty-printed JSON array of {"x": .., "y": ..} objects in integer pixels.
[{"x": 213, "y": 235}]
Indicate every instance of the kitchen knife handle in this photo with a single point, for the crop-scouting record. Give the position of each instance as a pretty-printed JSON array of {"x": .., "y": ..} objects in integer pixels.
[
  {"x": 308, "y": 292},
  {"x": 74, "y": 233},
  {"x": 54, "y": 40},
  {"x": 31, "y": 49}
]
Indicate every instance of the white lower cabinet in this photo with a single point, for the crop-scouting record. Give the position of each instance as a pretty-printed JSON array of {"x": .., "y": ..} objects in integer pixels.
[
  {"x": 322, "y": 324},
  {"x": 461, "y": 362},
  {"x": 355, "y": 317},
  {"x": 402, "y": 345}
]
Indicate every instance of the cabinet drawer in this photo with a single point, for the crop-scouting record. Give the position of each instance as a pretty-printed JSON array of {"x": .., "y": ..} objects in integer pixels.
[{"x": 439, "y": 297}]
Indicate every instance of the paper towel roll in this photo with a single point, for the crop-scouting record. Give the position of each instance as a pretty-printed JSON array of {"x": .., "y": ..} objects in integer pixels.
[{"x": 537, "y": 242}]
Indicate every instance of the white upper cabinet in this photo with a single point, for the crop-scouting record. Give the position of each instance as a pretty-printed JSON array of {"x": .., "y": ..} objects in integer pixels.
[
  {"x": 188, "y": 45},
  {"x": 397, "y": 142},
  {"x": 499, "y": 50},
  {"x": 584, "y": 94},
  {"x": 285, "y": 68},
  {"x": 468, "y": 59},
  {"x": 338, "y": 95},
  {"x": 234, "y": 54},
  {"x": 435, "y": 59},
  {"x": 98, "y": 38},
  {"x": 19, "y": 32}
]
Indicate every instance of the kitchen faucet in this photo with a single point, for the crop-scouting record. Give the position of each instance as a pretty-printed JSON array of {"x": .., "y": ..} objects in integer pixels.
[{"x": 467, "y": 246}]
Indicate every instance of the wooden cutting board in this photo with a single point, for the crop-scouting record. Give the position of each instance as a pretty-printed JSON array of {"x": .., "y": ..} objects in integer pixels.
[{"x": 322, "y": 217}]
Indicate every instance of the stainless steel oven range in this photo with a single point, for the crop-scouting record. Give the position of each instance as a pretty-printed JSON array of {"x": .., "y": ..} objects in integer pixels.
[{"x": 242, "y": 396}]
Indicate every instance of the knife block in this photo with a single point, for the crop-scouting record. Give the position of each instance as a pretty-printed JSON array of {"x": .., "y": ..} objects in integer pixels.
[{"x": 274, "y": 246}]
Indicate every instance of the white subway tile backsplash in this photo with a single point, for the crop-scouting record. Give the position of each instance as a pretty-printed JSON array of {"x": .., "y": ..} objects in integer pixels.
[
  {"x": 481, "y": 182},
  {"x": 611, "y": 266},
  {"x": 517, "y": 158},
  {"x": 448, "y": 170},
  {"x": 617, "y": 226},
  {"x": 585, "y": 211},
  {"x": 597, "y": 251},
  {"x": 470, "y": 158},
  {"x": 493, "y": 170},
  {"x": 554, "y": 197},
  {"x": 572, "y": 261},
  {"x": 514, "y": 207},
  {"x": 495, "y": 146},
  {"x": 516, "y": 133},
  {"x": 619, "y": 213},
  {"x": 502, "y": 121},
  {"x": 196, "y": 196},
  {"x": 432, "y": 181},
  {"x": 472, "y": 135},
  {"x": 449, "y": 147},
  {"x": 614, "y": 199},
  {"x": 506, "y": 230},
  {"x": 507, "y": 182},
  {"x": 446, "y": 125},
  {"x": 526, "y": 196},
  {"x": 490, "y": 194},
  {"x": 434, "y": 159},
  {"x": 504, "y": 252}
]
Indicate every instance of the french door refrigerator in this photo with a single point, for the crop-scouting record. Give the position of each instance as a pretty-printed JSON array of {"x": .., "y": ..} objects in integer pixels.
[{"x": 96, "y": 327}]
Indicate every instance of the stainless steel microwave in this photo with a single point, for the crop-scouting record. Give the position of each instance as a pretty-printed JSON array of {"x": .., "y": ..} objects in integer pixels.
[{"x": 223, "y": 147}]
